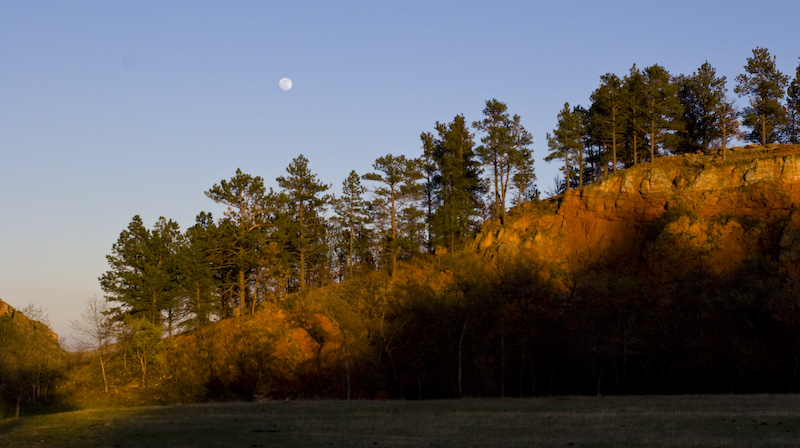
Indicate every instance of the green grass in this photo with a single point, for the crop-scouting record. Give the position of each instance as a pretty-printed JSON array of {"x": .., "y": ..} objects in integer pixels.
[{"x": 700, "y": 421}]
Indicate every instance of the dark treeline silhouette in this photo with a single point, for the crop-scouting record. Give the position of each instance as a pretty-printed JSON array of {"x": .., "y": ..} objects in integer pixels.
[
  {"x": 455, "y": 326},
  {"x": 511, "y": 334}
]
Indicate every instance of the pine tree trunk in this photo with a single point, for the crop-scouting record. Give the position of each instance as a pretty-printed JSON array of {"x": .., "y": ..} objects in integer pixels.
[
  {"x": 505, "y": 176},
  {"x": 502, "y": 353},
  {"x": 255, "y": 292},
  {"x": 302, "y": 269},
  {"x": 635, "y": 144},
  {"x": 460, "y": 355},
  {"x": 350, "y": 255},
  {"x": 347, "y": 374},
  {"x": 393, "y": 246},
  {"x": 497, "y": 192},
  {"x": 652, "y": 141},
  {"x": 242, "y": 293},
  {"x": 302, "y": 223},
  {"x": 724, "y": 138}
]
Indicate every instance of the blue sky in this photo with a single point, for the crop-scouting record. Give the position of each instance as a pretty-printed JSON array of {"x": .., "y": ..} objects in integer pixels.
[{"x": 110, "y": 109}]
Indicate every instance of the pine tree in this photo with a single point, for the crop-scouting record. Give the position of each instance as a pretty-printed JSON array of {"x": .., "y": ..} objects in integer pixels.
[
  {"x": 793, "y": 107},
  {"x": 399, "y": 177},
  {"x": 430, "y": 175},
  {"x": 455, "y": 182},
  {"x": 662, "y": 110},
  {"x": 503, "y": 140},
  {"x": 198, "y": 267},
  {"x": 728, "y": 123},
  {"x": 566, "y": 142},
  {"x": 765, "y": 85},
  {"x": 524, "y": 177},
  {"x": 607, "y": 115},
  {"x": 243, "y": 229},
  {"x": 701, "y": 95},
  {"x": 144, "y": 277},
  {"x": 304, "y": 204},
  {"x": 635, "y": 104},
  {"x": 586, "y": 142},
  {"x": 352, "y": 214}
]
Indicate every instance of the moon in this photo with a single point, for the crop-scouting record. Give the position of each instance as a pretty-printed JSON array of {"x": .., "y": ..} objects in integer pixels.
[{"x": 285, "y": 84}]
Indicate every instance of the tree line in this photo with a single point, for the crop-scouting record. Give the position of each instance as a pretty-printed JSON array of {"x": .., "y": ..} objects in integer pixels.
[
  {"x": 649, "y": 112},
  {"x": 270, "y": 243},
  {"x": 273, "y": 242}
]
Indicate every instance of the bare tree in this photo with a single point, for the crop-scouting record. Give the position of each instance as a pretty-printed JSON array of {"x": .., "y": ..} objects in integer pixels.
[{"x": 95, "y": 331}]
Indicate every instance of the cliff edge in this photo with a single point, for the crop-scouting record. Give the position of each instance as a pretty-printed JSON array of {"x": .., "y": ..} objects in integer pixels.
[{"x": 674, "y": 217}]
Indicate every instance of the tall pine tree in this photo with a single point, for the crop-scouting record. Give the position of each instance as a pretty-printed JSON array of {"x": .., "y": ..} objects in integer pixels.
[
  {"x": 607, "y": 110},
  {"x": 702, "y": 96},
  {"x": 352, "y": 215},
  {"x": 635, "y": 105},
  {"x": 303, "y": 201},
  {"x": 144, "y": 275},
  {"x": 764, "y": 84},
  {"x": 793, "y": 108},
  {"x": 456, "y": 183},
  {"x": 243, "y": 230},
  {"x": 566, "y": 142},
  {"x": 662, "y": 110},
  {"x": 503, "y": 141},
  {"x": 398, "y": 177}
]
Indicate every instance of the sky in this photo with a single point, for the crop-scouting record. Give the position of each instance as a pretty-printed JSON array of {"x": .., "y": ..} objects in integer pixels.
[{"x": 110, "y": 109}]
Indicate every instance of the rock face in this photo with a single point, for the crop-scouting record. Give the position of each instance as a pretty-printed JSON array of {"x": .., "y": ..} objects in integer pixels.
[
  {"x": 676, "y": 216},
  {"x": 21, "y": 320}
]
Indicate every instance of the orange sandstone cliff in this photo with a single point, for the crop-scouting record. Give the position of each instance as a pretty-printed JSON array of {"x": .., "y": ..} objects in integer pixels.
[{"x": 677, "y": 216}]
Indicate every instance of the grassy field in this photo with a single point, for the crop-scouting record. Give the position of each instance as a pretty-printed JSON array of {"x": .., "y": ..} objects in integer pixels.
[{"x": 700, "y": 421}]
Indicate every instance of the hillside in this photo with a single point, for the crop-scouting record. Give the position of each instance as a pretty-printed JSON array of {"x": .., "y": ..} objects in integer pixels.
[
  {"x": 31, "y": 361},
  {"x": 22, "y": 321},
  {"x": 675, "y": 217},
  {"x": 676, "y": 276}
]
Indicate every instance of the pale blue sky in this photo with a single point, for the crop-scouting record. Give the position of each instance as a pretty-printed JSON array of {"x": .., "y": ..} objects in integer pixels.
[{"x": 110, "y": 109}]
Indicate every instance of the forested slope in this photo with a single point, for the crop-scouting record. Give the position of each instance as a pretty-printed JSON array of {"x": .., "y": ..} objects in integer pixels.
[{"x": 675, "y": 276}]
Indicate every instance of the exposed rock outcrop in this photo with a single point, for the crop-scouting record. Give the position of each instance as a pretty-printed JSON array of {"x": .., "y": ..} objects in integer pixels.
[
  {"x": 676, "y": 216},
  {"x": 21, "y": 320}
]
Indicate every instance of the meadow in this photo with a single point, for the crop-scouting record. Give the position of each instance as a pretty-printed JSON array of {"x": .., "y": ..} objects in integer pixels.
[{"x": 701, "y": 421}]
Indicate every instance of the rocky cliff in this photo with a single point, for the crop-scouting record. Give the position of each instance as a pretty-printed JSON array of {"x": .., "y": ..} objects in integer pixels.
[
  {"x": 22, "y": 321},
  {"x": 674, "y": 217}
]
